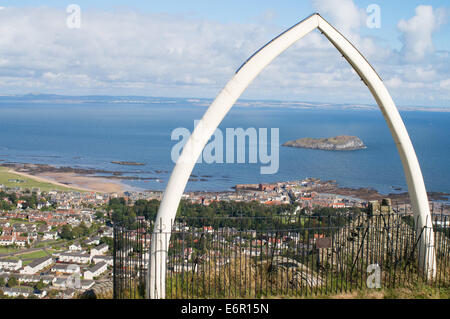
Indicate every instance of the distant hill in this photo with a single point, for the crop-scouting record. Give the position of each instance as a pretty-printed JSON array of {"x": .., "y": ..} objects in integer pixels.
[
  {"x": 337, "y": 143},
  {"x": 203, "y": 102}
]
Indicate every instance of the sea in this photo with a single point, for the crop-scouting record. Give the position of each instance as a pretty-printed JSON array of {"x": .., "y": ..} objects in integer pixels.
[{"x": 91, "y": 132}]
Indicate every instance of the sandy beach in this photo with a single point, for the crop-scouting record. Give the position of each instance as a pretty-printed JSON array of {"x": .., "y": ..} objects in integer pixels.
[
  {"x": 84, "y": 183},
  {"x": 86, "y": 180}
]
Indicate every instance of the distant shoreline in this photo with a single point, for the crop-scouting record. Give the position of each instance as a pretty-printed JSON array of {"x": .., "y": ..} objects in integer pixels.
[
  {"x": 82, "y": 180},
  {"x": 204, "y": 102},
  {"x": 69, "y": 179}
]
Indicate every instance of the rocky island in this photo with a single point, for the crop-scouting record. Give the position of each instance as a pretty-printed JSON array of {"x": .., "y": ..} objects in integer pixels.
[{"x": 337, "y": 143}]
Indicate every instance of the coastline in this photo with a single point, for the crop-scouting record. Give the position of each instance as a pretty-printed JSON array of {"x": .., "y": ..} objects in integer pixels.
[
  {"x": 74, "y": 181},
  {"x": 85, "y": 183},
  {"x": 85, "y": 180}
]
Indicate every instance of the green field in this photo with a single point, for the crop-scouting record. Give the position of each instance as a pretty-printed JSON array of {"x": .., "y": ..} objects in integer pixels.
[
  {"x": 33, "y": 255},
  {"x": 8, "y": 250},
  {"x": 28, "y": 257},
  {"x": 46, "y": 243},
  {"x": 5, "y": 176}
]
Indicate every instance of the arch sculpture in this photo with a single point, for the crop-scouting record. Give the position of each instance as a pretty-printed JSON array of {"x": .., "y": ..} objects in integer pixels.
[{"x": 228, "y": 96}]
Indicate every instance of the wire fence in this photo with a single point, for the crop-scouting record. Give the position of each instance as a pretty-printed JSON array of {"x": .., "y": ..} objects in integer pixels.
[{"x": 301, "y": 255}]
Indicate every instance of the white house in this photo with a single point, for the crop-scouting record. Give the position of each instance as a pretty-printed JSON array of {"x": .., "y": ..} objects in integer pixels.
[
  {"x": 107, "y": 259},
  {"x": 87, "y": 284},
  {"x": 99, "y": 250},
  {"x": 37, "y": 265},
  {"x": 6, "y": 240},
  {"x": 47, "y": 279},
  {"x": 50, "y": 235},
  {"x": 66, "y": 268},
  {"x": 75, "y": 257},
  {"x": 30, "y": 278},
  {"x": 23, "y": 291},
  {"x": 95, "y": 270},
  {"x": 69, "y": 284},
  {"x": 75, "y": 247},
  {"x": 108, "y": 232},
  {"x": 21, "y": 241},
  {"x": 10, "y": 264},
  {"x": 92, "y": 241},
  {"x": 60, "y": 282},
  {"x": 18, "y": 291}
]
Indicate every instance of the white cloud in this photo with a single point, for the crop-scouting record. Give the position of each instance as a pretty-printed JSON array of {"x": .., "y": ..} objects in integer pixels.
[
  {"x": 125, "y": 52},
  {"x": 345, "y": 15},
  {"x": 445, "y": 84},
  {"x": 394, "y": 82},
  {"x": 417, "y": 31},
  {"x": 152, "y": 54}
]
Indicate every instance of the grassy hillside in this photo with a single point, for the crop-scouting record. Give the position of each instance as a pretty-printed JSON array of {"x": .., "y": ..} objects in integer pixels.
[{"x": 6, "y": 176}]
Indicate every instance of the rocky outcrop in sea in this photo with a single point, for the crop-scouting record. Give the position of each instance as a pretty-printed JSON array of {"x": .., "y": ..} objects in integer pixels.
[{"x": 337, "y": 143}]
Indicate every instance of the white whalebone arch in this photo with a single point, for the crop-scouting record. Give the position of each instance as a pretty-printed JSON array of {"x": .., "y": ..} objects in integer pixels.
[{"x": 223, "y": 103}]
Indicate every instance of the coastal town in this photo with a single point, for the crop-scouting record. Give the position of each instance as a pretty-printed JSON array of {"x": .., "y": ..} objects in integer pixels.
[{"x": 58, "y": 243}]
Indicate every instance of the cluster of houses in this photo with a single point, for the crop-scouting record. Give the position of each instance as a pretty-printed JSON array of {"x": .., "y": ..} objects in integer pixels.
[
  {"x": 65, "y": 199},
  {"x": 226, "y": 242},
  {"x": 23, "y": 234},
  {"x": 74, "y": 269},
  {"x": 302, "y": 192},
  {"x": 19, "y": 234}
]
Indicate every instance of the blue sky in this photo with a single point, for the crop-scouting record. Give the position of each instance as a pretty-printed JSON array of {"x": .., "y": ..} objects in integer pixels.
[{"x": 187, "y": 60}]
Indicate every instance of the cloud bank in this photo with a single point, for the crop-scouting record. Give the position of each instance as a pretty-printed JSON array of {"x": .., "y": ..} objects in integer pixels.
[
  {"x": 130, "y": 53},
  {"x": 418, "y": 31}
]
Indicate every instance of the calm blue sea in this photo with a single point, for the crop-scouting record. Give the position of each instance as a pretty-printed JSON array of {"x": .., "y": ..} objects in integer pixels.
[{"x": 91, "y": 135}]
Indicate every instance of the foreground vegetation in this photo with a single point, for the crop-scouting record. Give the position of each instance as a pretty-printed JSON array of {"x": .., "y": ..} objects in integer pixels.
[
  {"x": 276, "y": 255},
  {"x": 243, "y": 215}
]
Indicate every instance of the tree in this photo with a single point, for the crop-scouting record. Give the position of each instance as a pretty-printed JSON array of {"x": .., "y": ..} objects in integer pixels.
[
  {"x": 12, "y": 198},
  {"x": 39, "y": 285},
  {"x": 12, "y": 282},
  {"x": 66, "y": 232},
  {"x": 4, "y": 205},
  {"x": 84, "y": 230},
  {"x": 108, "y": 241},
  {"x": 53, "y": 293},
  {"x": 77, "y": 232},
  {"x": 2, "y": 282},
  {"x": 94, "y": 228},
  {"x": 99, "y": 215}
]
